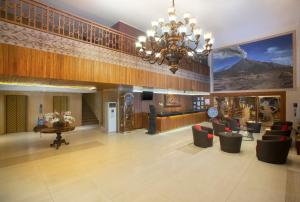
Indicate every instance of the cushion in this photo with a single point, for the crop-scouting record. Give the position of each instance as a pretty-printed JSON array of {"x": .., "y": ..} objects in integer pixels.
[
  {"x": 210, "y": 136},
  {"x": 227, "y": 129},
  {"x": 198, "y": 127},
  {"x": 282, "y": 138},
  {"x": 284, "y": 127}
]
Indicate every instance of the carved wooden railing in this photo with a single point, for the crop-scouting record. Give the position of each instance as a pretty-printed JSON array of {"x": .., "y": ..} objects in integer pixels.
[
  {"x": 33, "y": 14},
  {"x": 41, "y": 17}
]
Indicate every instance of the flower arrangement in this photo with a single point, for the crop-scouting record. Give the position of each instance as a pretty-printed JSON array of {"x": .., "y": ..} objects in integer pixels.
[{"x": 59, "y": 119}]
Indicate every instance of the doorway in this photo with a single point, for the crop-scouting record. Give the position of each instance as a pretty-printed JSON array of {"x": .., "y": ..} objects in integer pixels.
[{"x": 16, "y": 113}]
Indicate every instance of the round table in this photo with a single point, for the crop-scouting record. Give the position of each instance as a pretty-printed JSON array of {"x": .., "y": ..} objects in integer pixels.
[{"x": 58, "y": 140}]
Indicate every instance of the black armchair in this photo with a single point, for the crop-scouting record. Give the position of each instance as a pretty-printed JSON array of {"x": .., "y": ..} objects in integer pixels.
[
  {"x": 286, "y": 133},
  {"x": 203, "y": 136},
  {"x": 230, "y": 143},
  {"x": 273, "y": 149},
  {"x": 220, "y": 128},
  {"x": 282, "y": 125},
  {"x": 233, "y": 124}
]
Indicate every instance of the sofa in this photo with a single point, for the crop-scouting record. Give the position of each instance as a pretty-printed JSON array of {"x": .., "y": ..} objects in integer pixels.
[
  {"x": 273, "y": 149},
  {"x": 203, "y": 136}
]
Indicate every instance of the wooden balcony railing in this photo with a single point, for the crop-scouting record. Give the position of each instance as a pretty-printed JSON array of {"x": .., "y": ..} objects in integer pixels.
[
  {"x": 41, "y": 17},
  {"x": 33, "y": 14}
]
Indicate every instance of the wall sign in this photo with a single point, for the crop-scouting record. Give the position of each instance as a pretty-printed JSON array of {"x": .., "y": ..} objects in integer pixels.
[{"x": 172, "y": 101}]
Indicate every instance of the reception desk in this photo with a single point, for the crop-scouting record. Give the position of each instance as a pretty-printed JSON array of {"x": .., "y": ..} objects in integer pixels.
[{"x": 169, "y": 121}]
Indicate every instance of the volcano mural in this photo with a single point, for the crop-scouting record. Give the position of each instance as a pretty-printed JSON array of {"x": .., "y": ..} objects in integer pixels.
[{"x": 265, "y": 64}]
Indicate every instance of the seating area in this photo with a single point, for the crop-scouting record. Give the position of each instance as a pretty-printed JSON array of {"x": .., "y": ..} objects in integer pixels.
[{"x": 273, "y": 148}]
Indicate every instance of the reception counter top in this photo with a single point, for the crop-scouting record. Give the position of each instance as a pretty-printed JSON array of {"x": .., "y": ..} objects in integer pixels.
[
  {"x": 171, "y": 121},
  {"x": 165, "y": 114}
]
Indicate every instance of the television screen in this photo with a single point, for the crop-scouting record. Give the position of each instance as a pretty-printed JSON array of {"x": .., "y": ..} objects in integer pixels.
[{"x": 147, "y": 95}]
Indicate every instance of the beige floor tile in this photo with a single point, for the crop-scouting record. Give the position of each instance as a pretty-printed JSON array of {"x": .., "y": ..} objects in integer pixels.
[{"x": 135, "y": 167}]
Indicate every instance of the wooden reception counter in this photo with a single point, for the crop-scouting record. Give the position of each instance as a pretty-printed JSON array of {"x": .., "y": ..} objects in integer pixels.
[{"x": 171, "y": 121}]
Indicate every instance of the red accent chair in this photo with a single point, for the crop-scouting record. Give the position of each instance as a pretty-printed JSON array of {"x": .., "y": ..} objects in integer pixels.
[
  {"x": 203, "y": 136},
  {"x": 273, "y": 149}
]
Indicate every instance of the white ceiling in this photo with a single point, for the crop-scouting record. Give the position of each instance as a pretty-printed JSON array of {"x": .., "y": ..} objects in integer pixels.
[{"x": 231, "y": 21}]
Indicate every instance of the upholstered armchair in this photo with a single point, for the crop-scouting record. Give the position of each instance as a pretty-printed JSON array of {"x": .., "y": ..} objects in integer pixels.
[
  {"x": 203, "y": 136},
  {"x": 282, "y": 125},
  {"x": 220, "y": 128},
  {"x": 286, "y": 133},
  {"x": 233, "y": 124},
  {"x": 273, "y": 149},
  {"x": 231, "y": 142}
]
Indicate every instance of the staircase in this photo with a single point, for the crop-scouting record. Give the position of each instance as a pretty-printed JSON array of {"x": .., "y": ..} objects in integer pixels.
[{"x": 88, "y": 116}]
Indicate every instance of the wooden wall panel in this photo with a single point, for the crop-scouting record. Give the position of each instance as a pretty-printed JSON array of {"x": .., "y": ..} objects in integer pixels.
[{"x": 26, "y": 62}]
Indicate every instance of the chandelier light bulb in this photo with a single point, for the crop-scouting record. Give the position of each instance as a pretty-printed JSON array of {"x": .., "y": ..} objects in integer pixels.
[
  {"x": 186, "y": 16},
  {"x": 193, "y": 21},
  {"x": 172, "y": 18},
  {"x": 142, "y": 39},
  {"x": 154, "y": 24},
  {"x": 182, "y": 29},
  {"x": 207, "y": 36},
  {"x": 171, "y": 11},
  {"x": 161, "y": 20},
  {"x": 197, "y": 32},
  {"x": 150, "y": 33},
  {"x": 148, "y": 52}
]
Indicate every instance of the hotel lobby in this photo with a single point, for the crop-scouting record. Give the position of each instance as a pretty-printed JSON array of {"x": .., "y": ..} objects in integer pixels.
[{"x": 141, "y": 101}]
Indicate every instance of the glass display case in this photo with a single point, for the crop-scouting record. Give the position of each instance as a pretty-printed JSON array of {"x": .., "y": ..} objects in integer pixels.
[{"x": 265, "y": 109}]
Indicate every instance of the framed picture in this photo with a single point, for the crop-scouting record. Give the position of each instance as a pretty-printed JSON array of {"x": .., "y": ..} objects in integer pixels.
[
  {"x": 263, "y": 64},
  {"x": 172, "y": 101}
]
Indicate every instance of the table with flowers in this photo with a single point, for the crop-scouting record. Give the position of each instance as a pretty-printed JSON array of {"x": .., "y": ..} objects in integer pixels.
[{"x": 56, "y": 123}]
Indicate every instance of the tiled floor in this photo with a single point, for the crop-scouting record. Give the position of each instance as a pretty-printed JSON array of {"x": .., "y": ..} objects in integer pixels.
[{"x": 137, "y": 167}]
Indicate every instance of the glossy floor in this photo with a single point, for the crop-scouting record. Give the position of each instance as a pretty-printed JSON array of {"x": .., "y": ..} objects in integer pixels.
[{"x": 138, "y": 167}]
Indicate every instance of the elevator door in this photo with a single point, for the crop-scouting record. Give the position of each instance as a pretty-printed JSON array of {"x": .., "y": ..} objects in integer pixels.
[{"x": 16, "y": 110}]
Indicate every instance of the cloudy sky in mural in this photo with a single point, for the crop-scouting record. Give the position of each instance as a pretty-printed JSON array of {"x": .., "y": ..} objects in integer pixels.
[{"x": 277, "y": 50}]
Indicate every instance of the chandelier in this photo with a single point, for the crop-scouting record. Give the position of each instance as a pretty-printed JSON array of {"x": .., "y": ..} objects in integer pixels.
[{"x": 173, "y": 40}]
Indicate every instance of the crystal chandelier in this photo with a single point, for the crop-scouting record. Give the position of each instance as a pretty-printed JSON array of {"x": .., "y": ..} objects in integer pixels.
[{"x": 173, "y": 40}]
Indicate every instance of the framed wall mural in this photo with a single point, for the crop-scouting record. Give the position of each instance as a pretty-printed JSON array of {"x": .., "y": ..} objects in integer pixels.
[
  {"x": 263, "y": 64},
  {"x": 172, "y": 101}
]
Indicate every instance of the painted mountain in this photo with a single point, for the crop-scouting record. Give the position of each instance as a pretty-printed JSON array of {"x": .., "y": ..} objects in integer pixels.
[{"x": 265, "y": 64}]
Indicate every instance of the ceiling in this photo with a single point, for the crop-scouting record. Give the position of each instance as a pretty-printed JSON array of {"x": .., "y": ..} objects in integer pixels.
[{"x": 231, "y": 21}]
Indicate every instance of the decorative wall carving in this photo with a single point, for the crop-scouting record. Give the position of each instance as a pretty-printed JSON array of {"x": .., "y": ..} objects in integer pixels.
[{"x": 25, "y": 37}]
